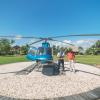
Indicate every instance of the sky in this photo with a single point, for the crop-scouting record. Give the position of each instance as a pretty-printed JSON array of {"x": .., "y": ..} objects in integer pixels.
[{"x": 45, "y": 18}]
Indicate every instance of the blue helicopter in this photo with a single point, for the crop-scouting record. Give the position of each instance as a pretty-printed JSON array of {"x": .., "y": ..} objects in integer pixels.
[{"x": 43, "y": 53}]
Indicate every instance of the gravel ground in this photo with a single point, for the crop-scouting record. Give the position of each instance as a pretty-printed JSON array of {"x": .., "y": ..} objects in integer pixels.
[{"x": 35, "y": 85}]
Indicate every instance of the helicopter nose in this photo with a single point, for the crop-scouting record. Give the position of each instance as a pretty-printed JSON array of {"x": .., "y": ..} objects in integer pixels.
[{"x": 30, "y": 57}]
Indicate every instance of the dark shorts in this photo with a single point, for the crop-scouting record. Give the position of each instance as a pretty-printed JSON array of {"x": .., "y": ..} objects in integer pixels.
[{"x": 61, "y": 63}]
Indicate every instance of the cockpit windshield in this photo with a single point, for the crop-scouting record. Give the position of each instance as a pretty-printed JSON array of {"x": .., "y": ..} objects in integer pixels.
[
  {"x": 40, "y": 51},
  {"x": 33, "y": 50}
]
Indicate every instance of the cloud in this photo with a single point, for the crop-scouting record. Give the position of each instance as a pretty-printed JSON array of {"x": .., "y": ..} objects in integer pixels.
[
  {"x": 57, "y": 43},
  {"x": 67, "y": 41},
  {"x": 85, "y": 43},
  {"x": 80, "y": 41}
]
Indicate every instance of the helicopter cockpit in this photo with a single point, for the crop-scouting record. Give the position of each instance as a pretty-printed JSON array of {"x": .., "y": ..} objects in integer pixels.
[
  {"x": 44, "y": 51},
  {"x": 33, "y": 51},
  {"x": 40, "y": 51}
]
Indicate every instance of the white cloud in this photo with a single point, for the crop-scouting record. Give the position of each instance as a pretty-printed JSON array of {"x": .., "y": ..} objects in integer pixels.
[
  {"x": 85, "y": 43},
  {"x": 67, "y": 41},
  {"x": 80, "y": 41},
  {"x": 55, "y": 43},
  {"x": 62, "y": 44}
]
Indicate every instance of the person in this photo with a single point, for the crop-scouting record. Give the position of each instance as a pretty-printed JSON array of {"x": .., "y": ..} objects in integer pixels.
[
  {"x": 71, "y": 59},
  {"x": 60, "y": 56}
]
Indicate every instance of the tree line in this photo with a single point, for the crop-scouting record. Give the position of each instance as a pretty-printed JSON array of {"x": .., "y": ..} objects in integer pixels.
[
  {"x": 94, "y": 49},
  {"x": 6, "y": 48}
]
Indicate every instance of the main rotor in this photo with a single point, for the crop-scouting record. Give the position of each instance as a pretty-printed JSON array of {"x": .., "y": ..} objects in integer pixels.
[{"x": 49, "y": 38}]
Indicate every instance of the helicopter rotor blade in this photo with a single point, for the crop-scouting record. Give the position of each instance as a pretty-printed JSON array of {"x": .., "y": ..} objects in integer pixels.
[
  {"x": 18, "y": 36},
  {"x": 61, "y": 41},
  {"x": 30, "y": 37},
  {"x": 36, "y": 41},
  {"x": 76, "y": 35}
]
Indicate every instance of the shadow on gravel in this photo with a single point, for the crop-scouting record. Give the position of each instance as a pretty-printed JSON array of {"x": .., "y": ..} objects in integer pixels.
[
  {"x": 90, "y": 95},
  {"x": 83, "y": 71},
  {"x": 26, "y": 70},
  {"x": 88, "y": 72},
  {"x": 49, "y": 70}
]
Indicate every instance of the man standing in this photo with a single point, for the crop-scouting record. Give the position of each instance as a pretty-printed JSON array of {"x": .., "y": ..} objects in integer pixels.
[
  {"x": 60, "y": 56},
  {"x": 71, "y": 59}
]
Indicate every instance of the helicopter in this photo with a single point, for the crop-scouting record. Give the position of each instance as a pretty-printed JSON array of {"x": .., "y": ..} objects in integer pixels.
[
  {"x": 44, "y": 53},
  {"x": 41, "y": 54}
]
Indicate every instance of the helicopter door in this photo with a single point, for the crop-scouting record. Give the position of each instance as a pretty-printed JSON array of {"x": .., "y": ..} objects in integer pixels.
[
  {"x": 41, "y": 51},
  {"x": 49, "y": 51}
]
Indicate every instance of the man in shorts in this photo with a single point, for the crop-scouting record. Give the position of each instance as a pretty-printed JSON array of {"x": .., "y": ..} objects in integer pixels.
[
  {"x": 60, "y": 56},
  {"x": 71, "y": 58}
]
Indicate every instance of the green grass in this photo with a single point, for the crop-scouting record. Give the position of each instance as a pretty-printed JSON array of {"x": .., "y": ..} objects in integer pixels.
[
  {"x": 86, "y": 59},
  {"x": 12, "y": 59}
]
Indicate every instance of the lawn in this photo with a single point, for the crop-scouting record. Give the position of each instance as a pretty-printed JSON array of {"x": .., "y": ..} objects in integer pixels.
[
  {"x": 12, "y": 59},
  {"x": 86, "y": 59}
]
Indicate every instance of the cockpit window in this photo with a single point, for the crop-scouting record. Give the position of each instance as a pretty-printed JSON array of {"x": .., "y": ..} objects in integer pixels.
[
  {"x": 41, "y": 51},
  {"x": 33, "y": 50}
]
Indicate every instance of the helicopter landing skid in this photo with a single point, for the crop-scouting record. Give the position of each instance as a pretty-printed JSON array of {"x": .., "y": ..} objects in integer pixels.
[
  {"x": 38, "y": 66},
  {"x": 27, "y": 70}
]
